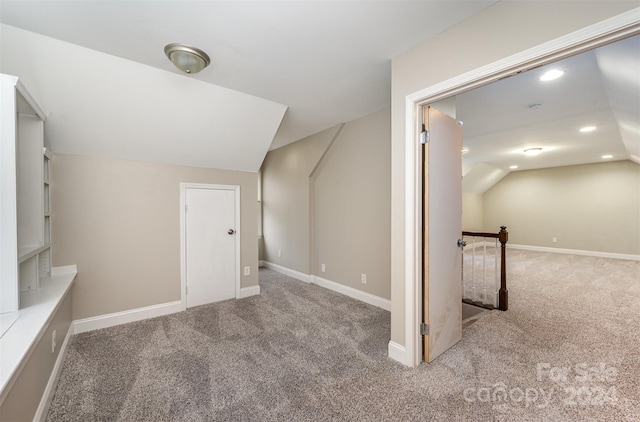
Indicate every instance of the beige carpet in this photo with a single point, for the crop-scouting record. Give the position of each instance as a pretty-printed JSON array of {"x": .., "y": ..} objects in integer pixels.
[{"x": 568, "y": 349}]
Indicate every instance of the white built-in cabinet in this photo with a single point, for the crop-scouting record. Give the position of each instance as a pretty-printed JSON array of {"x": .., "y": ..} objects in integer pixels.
[{"x": 25, "y": 210}]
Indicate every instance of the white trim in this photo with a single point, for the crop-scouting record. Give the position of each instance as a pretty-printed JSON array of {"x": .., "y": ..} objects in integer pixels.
[
  {"x": 397, "y": 353},
  {"x": 47, "y": 395},
  {"x": 183, "y": 232},
  {"x": 352, "y": 293},
  {"x": 587, "y": 38},
  {"x": 260, "y": 264},
  {"x": 612, "y": 255},
  {"x": 249, "y": 291},
  {"x": 125, "y": 317},
  {"x": 306, "y": 278},
  {"x": 332, "y": 285}
]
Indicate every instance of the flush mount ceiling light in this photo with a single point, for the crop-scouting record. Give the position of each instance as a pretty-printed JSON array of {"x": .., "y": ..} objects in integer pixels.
[
  {"x": 513, "y": 167},
  {"x": 187, "y": 58},
  {"x": 606, "y": 157},
  {"x": 551, "y": 75},
  {"x": 464, "y": 150},
  {"x": 587, "y": 129},
  {"x": 533, "y": 151},
  {"x": 534, "y": 107}
]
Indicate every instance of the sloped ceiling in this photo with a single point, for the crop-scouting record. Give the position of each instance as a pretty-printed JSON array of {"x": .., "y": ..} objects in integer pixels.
[
  {"x": 325, "y": 62},
  {"x": 599, "y": 88},
  {"x": 102, "y": 105}
]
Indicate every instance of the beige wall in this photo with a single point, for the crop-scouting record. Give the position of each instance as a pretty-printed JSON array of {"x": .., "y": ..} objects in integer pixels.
[
  {"x": 285, "y": 199},
  {"x": 24, "y": 397},
  {"x": 326, "y": 200},
  {"x": 352, "y": 208},
  {"x": 501, "y": 30},
  {"x": 472, "y": 212},
  {"x": 119, "y": 221},
  {"x": 594, "y": 207}
]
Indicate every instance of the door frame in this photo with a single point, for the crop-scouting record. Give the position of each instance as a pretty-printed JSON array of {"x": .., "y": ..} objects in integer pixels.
[
  {"x": 588, "y": 38},
  {"x": 183, "y": 235}
]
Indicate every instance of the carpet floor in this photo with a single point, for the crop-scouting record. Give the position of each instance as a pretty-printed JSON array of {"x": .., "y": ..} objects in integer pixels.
[{"x": 568, "y": 349}]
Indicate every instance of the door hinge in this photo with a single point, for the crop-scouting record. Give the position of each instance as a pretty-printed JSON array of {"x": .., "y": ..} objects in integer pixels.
[
  {"x": 424, "y": 137},
  {"x": 424, "y": 329}
]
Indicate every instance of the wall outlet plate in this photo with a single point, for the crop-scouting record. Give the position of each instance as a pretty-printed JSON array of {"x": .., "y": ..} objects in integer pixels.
[{"x": 247, "y": 270}]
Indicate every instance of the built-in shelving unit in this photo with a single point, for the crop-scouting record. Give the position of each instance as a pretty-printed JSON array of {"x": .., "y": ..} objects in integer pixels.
[
  {"x": 31, "y": 291},
  {"x": 25, "y": 210}
]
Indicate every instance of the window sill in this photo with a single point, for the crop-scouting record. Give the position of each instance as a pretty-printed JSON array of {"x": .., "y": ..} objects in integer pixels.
[{"x": 36, "y": 311}]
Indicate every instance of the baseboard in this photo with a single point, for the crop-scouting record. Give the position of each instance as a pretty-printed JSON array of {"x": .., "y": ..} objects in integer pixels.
[
  {"x": 628, "y": 257},
  {"x": 353, "y": 293},
  {"x": 287, "y": 271},
  {"x": 397, "y": 352},
  {"x": 249, "y": 291},
  {"x": 260, "y": 264},
  {"x": 47, "y": 395},
  {"x": 124, "y": 317}
]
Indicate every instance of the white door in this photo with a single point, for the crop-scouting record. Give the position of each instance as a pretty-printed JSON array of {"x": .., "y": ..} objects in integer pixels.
[
  {"x": 443, "y": 218},
  {"x": 210, "y": 245}
]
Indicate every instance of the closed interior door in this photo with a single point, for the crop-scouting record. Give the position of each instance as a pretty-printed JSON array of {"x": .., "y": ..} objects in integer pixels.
[
  {"x": 210, "y": 253},
  {"x": 443, "y": 220}
]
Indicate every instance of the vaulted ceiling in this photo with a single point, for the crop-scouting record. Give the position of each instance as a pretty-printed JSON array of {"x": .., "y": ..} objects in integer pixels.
[
  {"x": 280, "y": 71},
  {"x": 599, "y": 88}
]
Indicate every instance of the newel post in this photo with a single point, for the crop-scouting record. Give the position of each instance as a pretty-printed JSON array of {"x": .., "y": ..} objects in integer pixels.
[{"x": 503, "y": 298}]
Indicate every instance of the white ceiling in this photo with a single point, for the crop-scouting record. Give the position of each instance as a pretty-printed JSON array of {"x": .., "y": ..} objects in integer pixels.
[
  {"x": 599, "y": 88},
  {"x": 327, "y": 61},
  {"x": 109, "y": 90}
]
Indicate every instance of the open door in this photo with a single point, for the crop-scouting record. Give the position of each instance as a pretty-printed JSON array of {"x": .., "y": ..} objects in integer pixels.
[{"x": 442, "y": 169}]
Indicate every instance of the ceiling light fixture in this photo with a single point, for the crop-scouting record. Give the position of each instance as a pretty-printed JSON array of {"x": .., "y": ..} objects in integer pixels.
[
  {"x": 187, "y": 58},
  {"x": 533, "y": 151},
  {"x": 551, "y": 75},
  {"x": 587, "y": 129},
  {"x": 464, "y": 150},
  {"x": 607, "y": 156},
  {"x": 534, "y": 107},
  {"x": 513, "y": 167}
]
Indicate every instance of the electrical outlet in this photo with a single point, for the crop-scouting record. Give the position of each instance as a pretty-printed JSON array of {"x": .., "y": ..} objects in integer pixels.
[
  {"x": 53, "y": 341},
  {"x": 363, "y": 278},
  {"x": 323, "y": 268},
  {"x": 554, "y": 240},
  {"x": 279, "y": 253},
  {"x": 247, "y": 270}
]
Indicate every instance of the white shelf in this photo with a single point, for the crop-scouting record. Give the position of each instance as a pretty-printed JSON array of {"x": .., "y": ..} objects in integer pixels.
[{"x": 31, "y": 251}]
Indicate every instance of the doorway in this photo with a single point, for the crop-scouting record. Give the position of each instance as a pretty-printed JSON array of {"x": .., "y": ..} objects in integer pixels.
[
  {"x": 210, "y": 242},
  {"x": 566, "y": 46}
]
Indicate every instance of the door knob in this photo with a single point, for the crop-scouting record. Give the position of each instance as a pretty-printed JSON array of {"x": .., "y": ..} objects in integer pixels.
[
  {"x": 231, "y": 231},
  {"x": 461, "y": 243}
]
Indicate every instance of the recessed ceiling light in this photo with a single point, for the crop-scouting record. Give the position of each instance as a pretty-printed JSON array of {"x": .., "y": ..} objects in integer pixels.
[
  {"x": 551, "y": 75},
  {"x": 607, "y": 156},
  {"x": 587, "y": 129},
  {"x": 513, "y": 167},
  {"x": 533, "y": 151}
]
